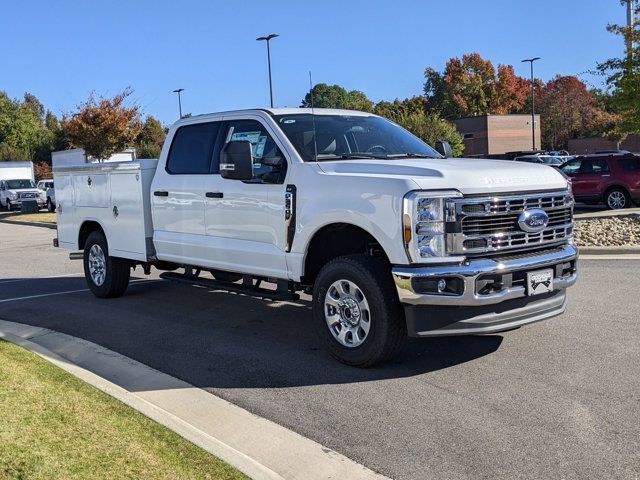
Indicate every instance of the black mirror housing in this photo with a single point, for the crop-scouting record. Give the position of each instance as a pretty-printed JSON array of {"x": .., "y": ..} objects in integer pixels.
[
  {"x": 444, "y": 148},
  {"x": 236, "y": 160}
]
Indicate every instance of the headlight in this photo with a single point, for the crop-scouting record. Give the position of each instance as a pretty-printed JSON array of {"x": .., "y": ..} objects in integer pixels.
[
  {"x": 13, "y": 195},
  {"x": 424, "y": 216}
]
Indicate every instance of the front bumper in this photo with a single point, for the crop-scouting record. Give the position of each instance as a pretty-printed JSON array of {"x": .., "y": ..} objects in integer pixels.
[{"x": 472, "y": 311}]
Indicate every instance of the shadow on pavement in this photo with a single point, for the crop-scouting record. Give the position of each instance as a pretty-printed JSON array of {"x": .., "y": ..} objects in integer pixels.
[{"x": 215, "y": 339}]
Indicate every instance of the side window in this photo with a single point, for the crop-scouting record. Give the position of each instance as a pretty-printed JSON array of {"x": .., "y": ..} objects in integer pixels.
[
  {"x": 572, "y": 167},
  {"x": 192, "y": 149},
  {"x": 630, "y": 164},
  {"x": 269, "y": 164},
  {"x": 600, "y": 166}
]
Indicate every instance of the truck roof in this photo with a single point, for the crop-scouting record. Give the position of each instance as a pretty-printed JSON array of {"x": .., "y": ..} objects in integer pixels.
[{"x": 283, "y": 111}]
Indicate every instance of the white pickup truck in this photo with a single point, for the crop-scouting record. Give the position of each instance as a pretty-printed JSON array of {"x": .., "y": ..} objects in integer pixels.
[{"x": 390, "y": 237}]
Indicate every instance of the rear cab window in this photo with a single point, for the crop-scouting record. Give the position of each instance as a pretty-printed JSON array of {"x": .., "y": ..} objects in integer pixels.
[{"x": 192, "y": 149}]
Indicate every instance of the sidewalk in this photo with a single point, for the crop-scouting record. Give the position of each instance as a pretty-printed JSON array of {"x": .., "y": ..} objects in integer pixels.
[{"x": 257, "y": 447}]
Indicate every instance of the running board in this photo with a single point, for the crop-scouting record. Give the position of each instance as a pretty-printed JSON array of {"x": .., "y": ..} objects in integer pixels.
[{"x": 241, "y": 288}]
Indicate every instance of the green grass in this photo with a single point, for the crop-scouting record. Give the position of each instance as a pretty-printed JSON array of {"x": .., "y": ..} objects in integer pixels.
[
  {"x": 54, "y": 426},
  {"x": 42, "y": 217}
]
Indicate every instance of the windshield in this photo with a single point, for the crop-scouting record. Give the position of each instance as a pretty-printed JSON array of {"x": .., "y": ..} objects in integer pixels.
[
  {"x": 551, "y": 160},
  {"x": 16, "y": 184},
  {"x": 341, "y": 137}
]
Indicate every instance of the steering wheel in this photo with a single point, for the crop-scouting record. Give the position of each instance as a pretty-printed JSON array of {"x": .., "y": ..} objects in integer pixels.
[{"x": 377, "y": 148}]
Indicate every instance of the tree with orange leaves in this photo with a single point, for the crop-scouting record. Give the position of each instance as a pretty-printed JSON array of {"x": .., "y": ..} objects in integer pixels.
[
  {"x": 471, "y": 86},
  {"x": 103, "y": 126}
]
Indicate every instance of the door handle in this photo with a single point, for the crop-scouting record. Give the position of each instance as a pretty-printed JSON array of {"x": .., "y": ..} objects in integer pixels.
[
  {"x": 214, "y": 195},
  {"x": 160, "y": 194}
]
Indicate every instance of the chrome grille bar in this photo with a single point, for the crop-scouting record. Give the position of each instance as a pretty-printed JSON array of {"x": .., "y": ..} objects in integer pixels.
[{"x": 490, "y": 224}]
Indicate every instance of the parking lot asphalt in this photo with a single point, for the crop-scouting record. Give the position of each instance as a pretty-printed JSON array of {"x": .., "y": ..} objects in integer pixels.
[{"x": 557, "y": 399}]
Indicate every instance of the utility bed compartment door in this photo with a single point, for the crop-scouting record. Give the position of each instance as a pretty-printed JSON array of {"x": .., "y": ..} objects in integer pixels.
[
  {"x": 127, "y": 215},
  {"x": 91, "y": 190},
  {"x": 67, "y": 231}
]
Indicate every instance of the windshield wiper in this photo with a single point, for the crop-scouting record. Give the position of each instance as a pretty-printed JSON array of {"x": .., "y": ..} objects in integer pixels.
[
  {"x": 361, "y": 155},
  {"x": 408, "y": 155}
]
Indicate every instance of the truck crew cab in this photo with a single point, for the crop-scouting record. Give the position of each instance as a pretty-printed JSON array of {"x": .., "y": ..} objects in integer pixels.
[{"x": 389, "y": 237}]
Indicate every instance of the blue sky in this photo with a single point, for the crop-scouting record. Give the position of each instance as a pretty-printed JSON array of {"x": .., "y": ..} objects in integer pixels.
[{"x": 62, "y": 50}]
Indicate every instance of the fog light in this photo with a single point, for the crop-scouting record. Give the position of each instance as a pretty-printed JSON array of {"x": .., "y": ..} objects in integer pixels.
[{"x": 442, "y": 285}]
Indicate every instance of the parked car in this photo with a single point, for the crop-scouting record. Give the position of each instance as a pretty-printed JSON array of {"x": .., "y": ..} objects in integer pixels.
[
  {"x": 544, "y": 159},
  {"x": 47, "y": 194},
  {"x": 612, "y": 179},
  {"x": 388, "y": 236}
]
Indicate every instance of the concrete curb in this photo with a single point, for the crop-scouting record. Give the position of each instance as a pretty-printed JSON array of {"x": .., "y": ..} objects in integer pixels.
[
  {"x": 257, "y": 447},
  {"x": 29, "y": 224},
  {"x": 626, "y": 250}
]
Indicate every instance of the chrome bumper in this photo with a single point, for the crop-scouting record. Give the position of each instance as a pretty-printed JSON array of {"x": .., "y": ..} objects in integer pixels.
[{"x": 469, "y": 273}]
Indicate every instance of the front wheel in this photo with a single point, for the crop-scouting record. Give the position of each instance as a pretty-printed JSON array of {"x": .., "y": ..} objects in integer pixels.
[
  {"x": 9, "y": 206},
  {"x": 107, "y": 277},
  {"x": 618, "y": 198},
  {"x": 356, "y": 311}
]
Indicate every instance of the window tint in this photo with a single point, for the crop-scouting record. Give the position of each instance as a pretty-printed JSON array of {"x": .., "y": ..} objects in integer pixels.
[
  {"x": 630, "y": 164},
  {"x": 192, "y": 149},
  {"x": 572, "y": 167},
  {"x": 263, "y": 148},
  {"x": 594, "y": 166}
]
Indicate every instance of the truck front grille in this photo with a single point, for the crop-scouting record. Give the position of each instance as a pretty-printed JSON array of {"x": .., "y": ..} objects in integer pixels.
[{"x": 490, "y": 224}]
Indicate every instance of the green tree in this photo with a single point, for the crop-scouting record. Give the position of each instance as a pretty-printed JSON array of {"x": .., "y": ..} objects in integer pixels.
[
  {"x": 623, "y": 79},
  {"x": 151, "y": 138},
  {"x": 334, "y": 96},
  {"x": 103, "y": 126},
  {"x": 431, "y": 128},
  {"x": 21, "y": 128}
]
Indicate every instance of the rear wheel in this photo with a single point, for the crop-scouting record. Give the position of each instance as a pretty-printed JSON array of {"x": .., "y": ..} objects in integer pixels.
[
  {"x": 106, "y": 276},
  {"x": 617, "y": 198},
  {"x": 356, "y": 311}
]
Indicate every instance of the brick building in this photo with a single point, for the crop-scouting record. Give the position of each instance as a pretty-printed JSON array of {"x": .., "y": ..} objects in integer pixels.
[
  {"x": 592, "y": 145},
  {"x": 497, "y": 134}
]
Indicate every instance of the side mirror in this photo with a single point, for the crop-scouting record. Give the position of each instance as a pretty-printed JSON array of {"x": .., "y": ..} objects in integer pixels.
[
  {"x": 236, "y": 160},
  {"x": 444, "y": 149}
]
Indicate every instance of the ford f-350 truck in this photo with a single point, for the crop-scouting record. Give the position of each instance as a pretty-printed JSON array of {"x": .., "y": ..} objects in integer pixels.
[{"x": 389, "y": 237}]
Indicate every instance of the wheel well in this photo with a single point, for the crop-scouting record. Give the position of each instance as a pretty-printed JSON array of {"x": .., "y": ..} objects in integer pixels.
[
  {"x": 618, "y": 187},
  {"x": 85, "y": 230},
  {"x": 336, "y": 240}
]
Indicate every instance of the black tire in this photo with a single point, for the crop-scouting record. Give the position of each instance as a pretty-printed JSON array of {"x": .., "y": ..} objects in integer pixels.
[
  {"x": 50, "y": 206},
  {"x": 9, "y": 207},
  {"x": 617, "y": 198},
  {"x": 387, "y": 330},
  {"x": 117, "y": 270},
  {"x": 223, "y": 276}
]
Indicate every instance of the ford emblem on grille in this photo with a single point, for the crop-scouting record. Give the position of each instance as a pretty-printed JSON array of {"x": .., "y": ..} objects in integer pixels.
[{"x": 533, "y": 221}]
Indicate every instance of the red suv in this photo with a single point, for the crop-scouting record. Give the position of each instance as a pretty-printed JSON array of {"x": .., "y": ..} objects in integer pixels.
[{"x": 612, "y": 178}]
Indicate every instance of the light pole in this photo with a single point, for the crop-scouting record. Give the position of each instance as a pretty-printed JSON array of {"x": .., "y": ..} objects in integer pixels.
[
  {"x": 533, "y": 102},
  {"x": 178, "y": 90},
  {"x": 267, "y": 39}
]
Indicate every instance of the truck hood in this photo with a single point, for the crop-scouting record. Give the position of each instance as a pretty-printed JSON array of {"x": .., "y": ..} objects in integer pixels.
[
  {"x": 24, "y": 190},
  {"x": 468, "y": 175}
]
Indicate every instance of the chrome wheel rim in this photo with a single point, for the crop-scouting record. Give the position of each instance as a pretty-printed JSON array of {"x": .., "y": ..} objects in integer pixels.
[
  {"x": 616, "y": 200},
  {"x": 347, "y": 313},
  {"x": 97, "y": 265}
]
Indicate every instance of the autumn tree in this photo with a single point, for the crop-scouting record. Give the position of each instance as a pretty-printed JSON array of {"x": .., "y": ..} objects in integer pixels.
[
  {"x": 334, "y": 96},
  {"x": 569, "y": 110},
  {"x": 103, "y": 126},
  {"x": 472, "y": 86}
]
